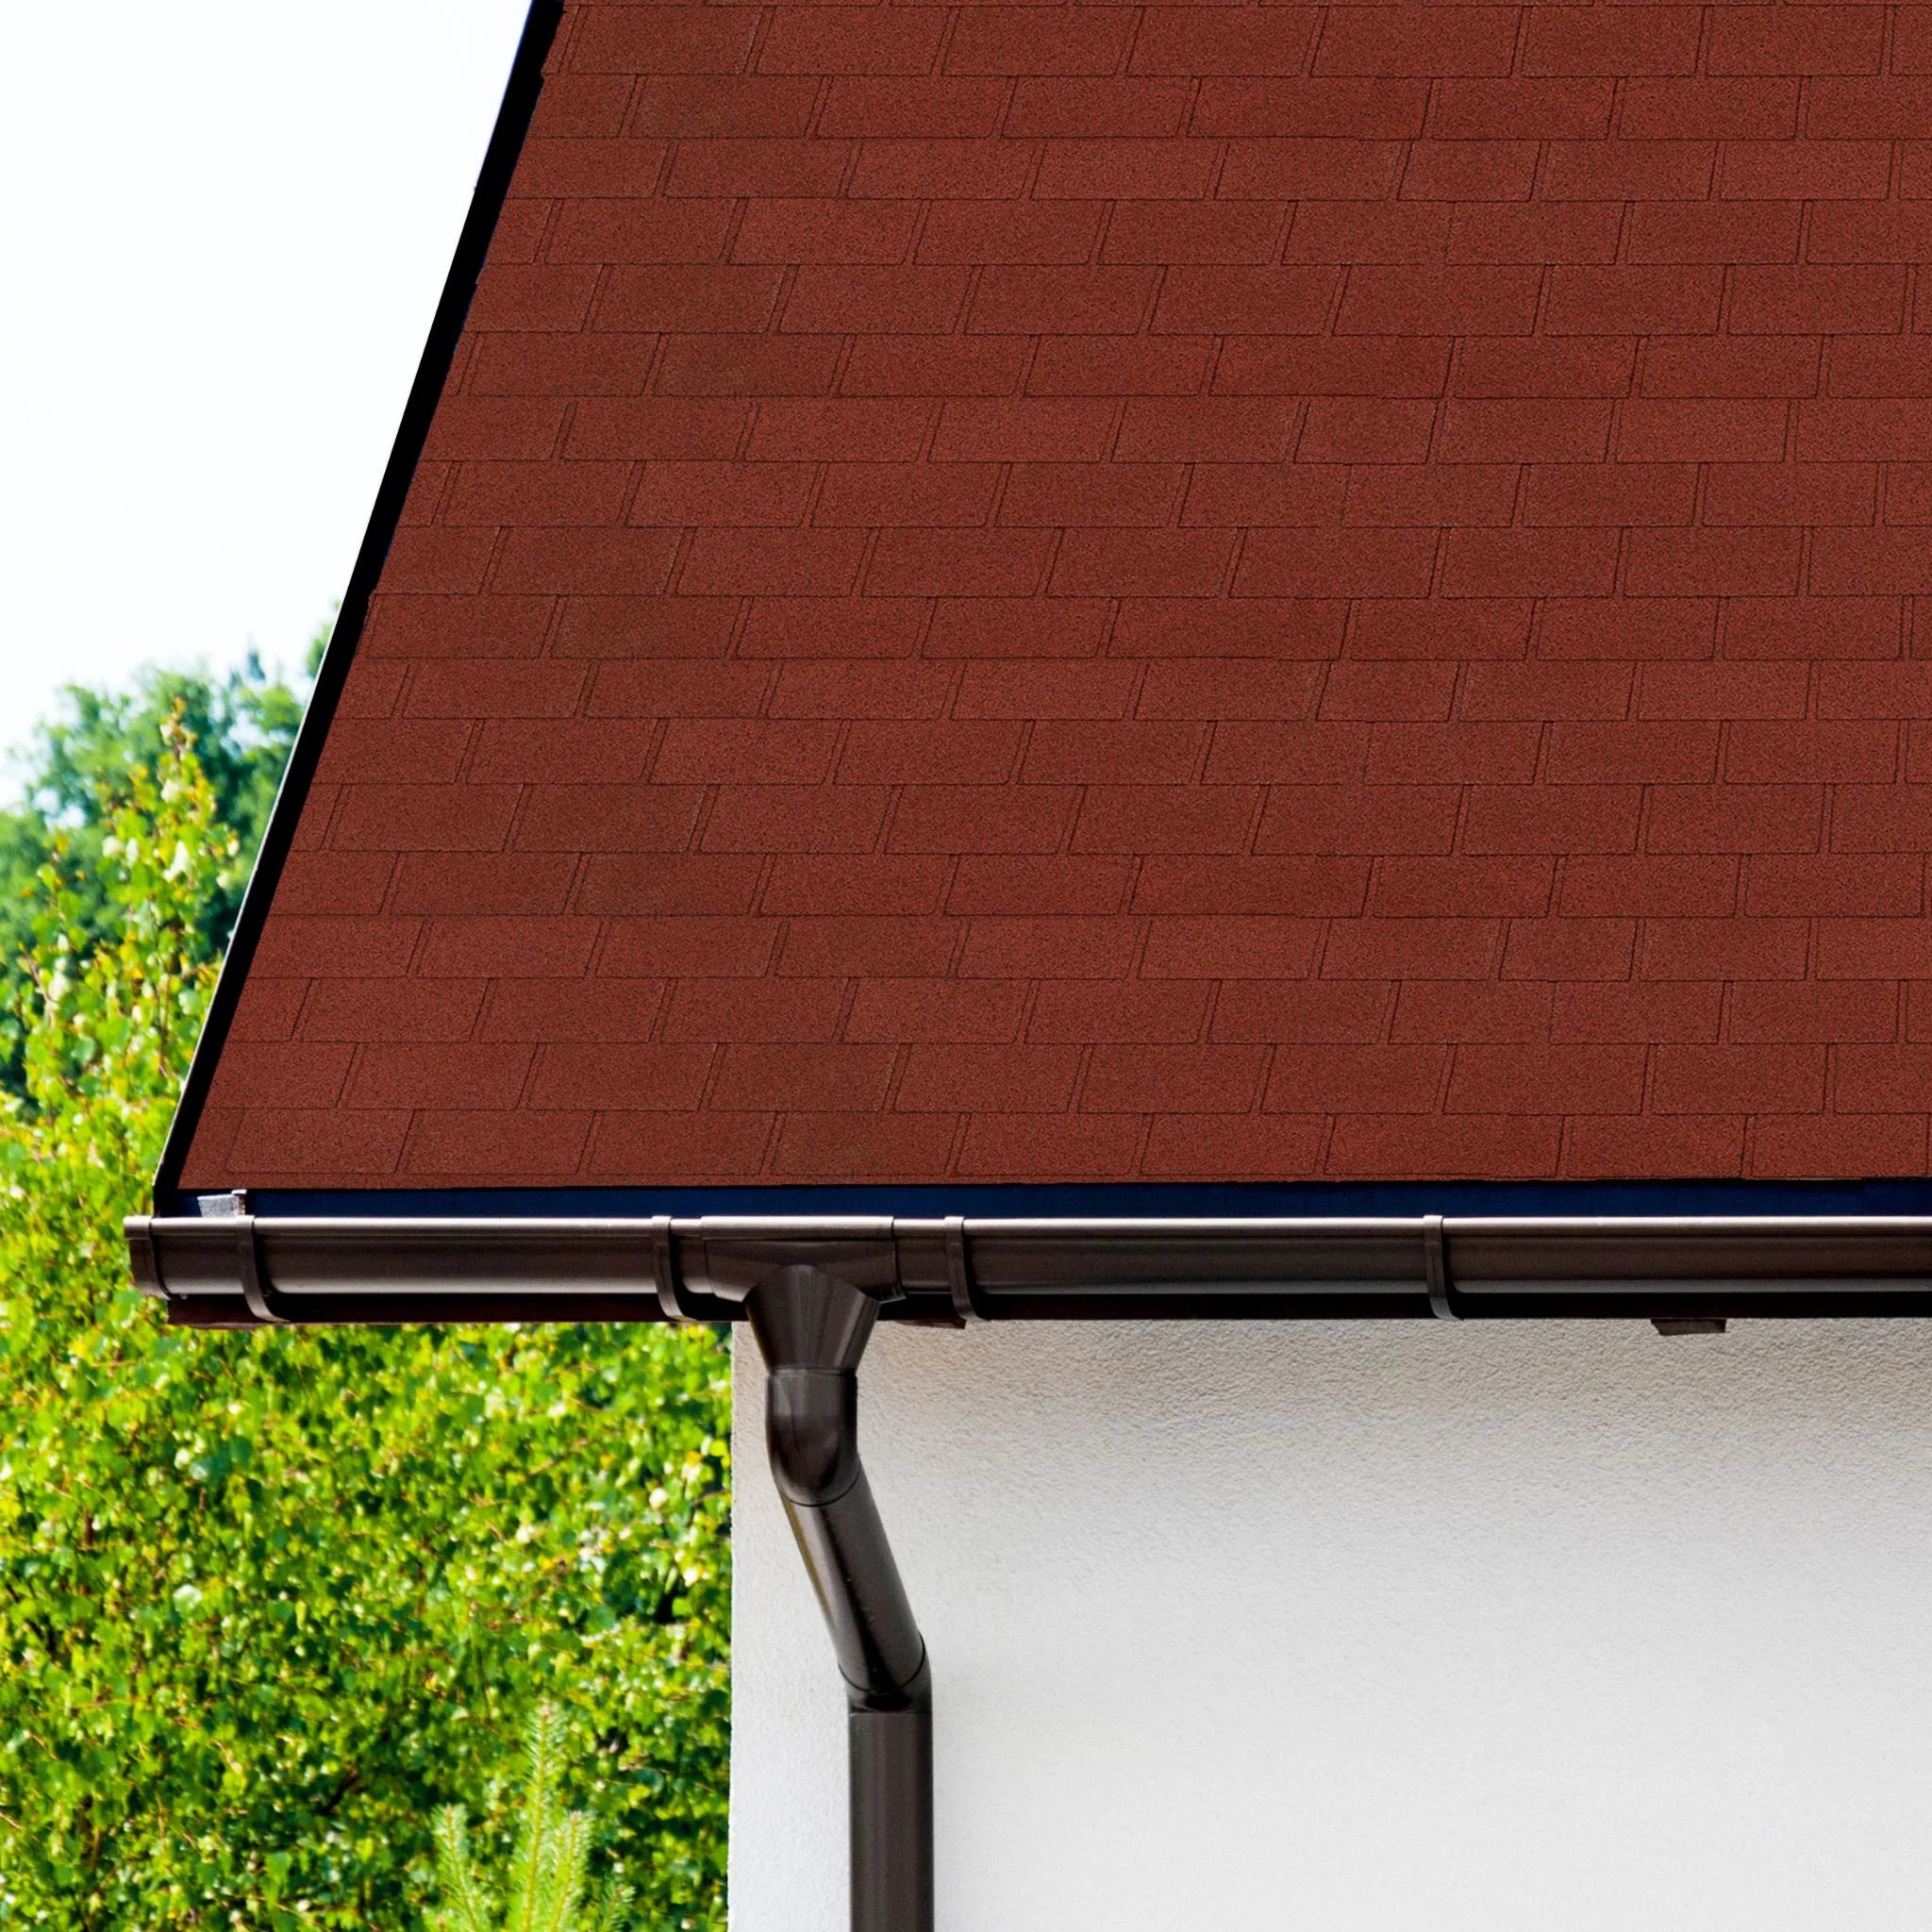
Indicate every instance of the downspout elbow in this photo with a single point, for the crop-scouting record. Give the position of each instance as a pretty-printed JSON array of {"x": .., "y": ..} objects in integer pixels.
[
  {"x": 812, "y": 1434},
  {"x": 812, "y": 1329}
]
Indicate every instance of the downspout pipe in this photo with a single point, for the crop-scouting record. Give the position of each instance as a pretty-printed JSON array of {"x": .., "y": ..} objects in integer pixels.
[{"x": 812, "y": 1328}]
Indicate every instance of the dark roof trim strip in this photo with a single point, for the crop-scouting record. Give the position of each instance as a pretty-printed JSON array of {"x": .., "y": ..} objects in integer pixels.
[
  {"x": 446, "y": 332},
  {"x": 242, "y": 1270},
  {"x": 1661, "y": 1198}
]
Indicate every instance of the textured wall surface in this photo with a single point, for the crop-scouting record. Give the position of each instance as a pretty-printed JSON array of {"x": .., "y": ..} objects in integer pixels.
[
  {"x": 1358, "y": 1630},
  {"x": 1017, "y": 593}
]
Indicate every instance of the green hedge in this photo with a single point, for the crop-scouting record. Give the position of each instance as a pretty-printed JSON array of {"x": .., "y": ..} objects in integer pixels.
[{"x": 268, "y": 1601}]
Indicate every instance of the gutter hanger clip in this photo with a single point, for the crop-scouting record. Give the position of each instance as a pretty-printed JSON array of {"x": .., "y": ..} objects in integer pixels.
[
  {"x": 263, "y": 1303},
  {"x": 1435, "y": 1269}
]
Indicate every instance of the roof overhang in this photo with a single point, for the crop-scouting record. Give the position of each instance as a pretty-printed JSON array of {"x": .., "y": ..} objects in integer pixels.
[{"x": 244, "y": 1270}]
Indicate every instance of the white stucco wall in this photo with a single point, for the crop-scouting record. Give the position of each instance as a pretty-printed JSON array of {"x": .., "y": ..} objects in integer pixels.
[{"x": 1368, "y": 1629}]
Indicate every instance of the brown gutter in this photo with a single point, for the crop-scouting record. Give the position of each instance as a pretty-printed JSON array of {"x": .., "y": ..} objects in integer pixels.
[{"x": 245, "y": 1269}]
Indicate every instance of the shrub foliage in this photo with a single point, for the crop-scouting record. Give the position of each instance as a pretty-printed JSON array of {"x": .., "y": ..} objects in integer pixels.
[{"x": 268, "y": 1601}]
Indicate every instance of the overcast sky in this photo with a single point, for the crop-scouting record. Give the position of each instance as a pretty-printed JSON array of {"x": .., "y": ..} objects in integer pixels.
[{"x": 226, "y": 226}]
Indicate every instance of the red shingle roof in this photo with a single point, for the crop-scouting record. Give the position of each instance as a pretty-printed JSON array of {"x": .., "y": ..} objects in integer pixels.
[{"x": 1031, "y": 592}]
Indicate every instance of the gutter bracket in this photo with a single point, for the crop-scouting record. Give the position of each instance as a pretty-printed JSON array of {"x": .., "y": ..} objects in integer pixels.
[
  {"x": 664, "y": 1272},
  {"x": 959, "y": 1274},
  {"x": 1435, "y": 1269},
  {"x": 263, "y": 1303}
]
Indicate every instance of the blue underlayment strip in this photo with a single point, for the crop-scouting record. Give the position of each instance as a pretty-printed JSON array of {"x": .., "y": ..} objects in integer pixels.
[{"x": 1107, "y": 1200}]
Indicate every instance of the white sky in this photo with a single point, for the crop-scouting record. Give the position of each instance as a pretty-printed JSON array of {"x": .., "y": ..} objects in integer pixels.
[{"x": 224, "y": 226}]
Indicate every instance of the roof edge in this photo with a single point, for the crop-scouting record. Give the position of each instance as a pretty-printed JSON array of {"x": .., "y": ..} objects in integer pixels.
[
  {"x": 521, "y": 93},
  {"x": 1656, "y": 1196}
]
